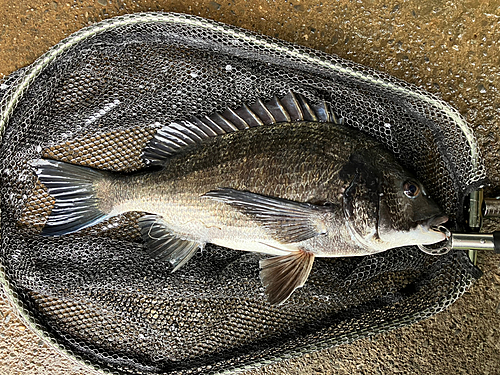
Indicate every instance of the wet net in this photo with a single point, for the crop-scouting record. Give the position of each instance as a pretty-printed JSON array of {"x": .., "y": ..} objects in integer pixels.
[{"x": 96, "y": 98}]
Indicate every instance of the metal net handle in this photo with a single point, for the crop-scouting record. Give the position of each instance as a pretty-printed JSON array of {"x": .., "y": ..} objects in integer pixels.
[{"x": 463, "y": 241}]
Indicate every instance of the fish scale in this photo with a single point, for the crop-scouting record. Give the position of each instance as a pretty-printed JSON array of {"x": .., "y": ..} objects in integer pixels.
[{"x": 295, "y": 190}]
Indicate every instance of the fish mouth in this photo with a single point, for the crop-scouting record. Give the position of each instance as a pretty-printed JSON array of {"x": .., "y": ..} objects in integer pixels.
[
  {"x": 435, "y": 222},
  {"x": 435, "y": 227}
]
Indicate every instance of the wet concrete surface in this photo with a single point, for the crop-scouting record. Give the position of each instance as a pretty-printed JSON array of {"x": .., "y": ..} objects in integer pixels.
[{"x": 450, "y": 49}]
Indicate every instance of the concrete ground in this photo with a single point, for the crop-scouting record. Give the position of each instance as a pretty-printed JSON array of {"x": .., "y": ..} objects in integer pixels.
[{"x": 450, "y": 49}]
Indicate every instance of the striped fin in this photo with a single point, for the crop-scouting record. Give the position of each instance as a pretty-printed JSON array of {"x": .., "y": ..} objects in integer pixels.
[
  {"x": 176, "y": 136},
  {"x": 73, "y": 188},
  {"x": 283, "y": 274},
  {"x": 162, "y": 244},
  {"x": 287, "y": 221}
]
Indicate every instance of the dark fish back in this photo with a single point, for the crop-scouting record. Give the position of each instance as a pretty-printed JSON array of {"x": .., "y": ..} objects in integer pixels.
[{"x": 297, "y": 161}]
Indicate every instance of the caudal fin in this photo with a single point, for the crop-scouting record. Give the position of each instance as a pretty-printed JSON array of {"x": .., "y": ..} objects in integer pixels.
[{"x": 73, "y": 188}]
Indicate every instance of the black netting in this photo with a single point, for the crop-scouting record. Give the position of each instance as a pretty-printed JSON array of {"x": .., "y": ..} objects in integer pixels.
[{"x": 96, "y": 99}]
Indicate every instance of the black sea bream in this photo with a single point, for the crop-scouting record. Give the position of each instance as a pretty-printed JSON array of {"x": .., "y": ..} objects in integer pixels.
[{"x": 293, "y": 190}]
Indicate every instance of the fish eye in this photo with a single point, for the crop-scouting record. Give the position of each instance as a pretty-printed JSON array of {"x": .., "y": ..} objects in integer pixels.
[{"x": 411, "y": 189}]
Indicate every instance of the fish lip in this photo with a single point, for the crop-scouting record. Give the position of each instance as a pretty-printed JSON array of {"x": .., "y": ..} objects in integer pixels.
[{"x": 434, "y": 222}]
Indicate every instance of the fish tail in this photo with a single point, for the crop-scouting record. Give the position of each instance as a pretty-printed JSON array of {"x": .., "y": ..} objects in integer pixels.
[{"x": 74, "y": 189}]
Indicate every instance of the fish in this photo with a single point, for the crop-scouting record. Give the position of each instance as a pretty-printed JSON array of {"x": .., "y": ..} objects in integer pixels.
[{"x": 286, "y": 178}]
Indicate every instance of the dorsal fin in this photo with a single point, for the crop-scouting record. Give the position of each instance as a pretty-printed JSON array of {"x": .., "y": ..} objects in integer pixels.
[{"x": 174, "y": 137}]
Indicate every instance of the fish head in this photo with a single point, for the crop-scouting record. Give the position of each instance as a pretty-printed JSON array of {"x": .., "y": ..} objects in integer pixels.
[
  {"x": 386, "y": 206},
  {"x": 407, "y": 215}
]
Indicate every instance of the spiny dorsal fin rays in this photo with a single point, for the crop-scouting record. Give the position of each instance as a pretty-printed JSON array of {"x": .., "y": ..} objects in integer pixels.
[
  {"x": 278, "y": 110},
  {"x": 251, "y": 117},
  {"x": 224, "y": 123},
  {"x": 293, "y": 107},
  {"x": 308, "y": 113},
  {"x": 262, "y": 112},
  {"x": 176, "y": 136},
  {"x": 214, "y": 125},
  {"x": 236, "y": 119}
]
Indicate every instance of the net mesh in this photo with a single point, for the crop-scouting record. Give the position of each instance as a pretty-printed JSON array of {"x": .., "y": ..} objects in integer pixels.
[{"x": 98, "y": 97}]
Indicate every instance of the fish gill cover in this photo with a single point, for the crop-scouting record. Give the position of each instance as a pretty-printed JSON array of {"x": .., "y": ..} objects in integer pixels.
[{"x": 99, "y": 96}]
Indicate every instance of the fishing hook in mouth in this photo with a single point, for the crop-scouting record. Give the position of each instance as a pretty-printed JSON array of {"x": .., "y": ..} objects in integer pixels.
[{"x": 439, "y": 248}]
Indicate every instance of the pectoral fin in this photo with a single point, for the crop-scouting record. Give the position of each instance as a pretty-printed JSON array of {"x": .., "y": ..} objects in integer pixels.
[
  {"x": 288, "y": 221},
  {"x": 283, "y": 274},
  {"x": 162, "y": 244}
]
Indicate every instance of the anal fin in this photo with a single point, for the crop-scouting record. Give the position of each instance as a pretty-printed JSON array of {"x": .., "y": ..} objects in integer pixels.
[
  {"x": 162, "y": 244},
  {"x": 281, "y": 275}
]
